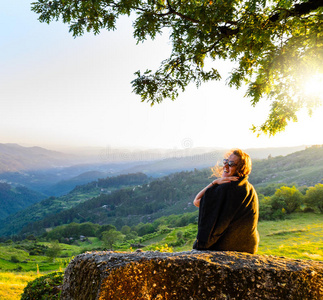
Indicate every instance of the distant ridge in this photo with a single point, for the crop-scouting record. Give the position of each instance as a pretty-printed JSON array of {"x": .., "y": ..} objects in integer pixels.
[
  {"x": 65, "y": 186},
  {"x": 181, "y": 162},
  {"x": 14, "y": 158},
  {"x": 260, "y": 153}
]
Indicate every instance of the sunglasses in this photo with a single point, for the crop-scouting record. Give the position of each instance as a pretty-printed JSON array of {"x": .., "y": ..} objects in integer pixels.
[{"x": 229, "y": 163}]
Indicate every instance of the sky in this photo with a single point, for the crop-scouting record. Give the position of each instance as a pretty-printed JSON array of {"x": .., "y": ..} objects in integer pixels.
[{"x": 59, "y": 92}]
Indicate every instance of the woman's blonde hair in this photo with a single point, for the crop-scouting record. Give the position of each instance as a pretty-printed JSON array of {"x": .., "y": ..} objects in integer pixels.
[{"x": 244, "y": 164}]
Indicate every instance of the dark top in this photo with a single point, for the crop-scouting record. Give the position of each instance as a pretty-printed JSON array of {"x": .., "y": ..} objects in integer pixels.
[{"x": 228, "y": 218}]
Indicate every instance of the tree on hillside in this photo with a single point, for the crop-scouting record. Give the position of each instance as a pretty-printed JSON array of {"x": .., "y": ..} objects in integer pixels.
[
  {"x": 54, "y": 250},
  {"x": 288, "y": 198},
  {"x": 276, "y": 45},
  {"x": 314, "y": 197},
  {"x": 110, "y": 237}
]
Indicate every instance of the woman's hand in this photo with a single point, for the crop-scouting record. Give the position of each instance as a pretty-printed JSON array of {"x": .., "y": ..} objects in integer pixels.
[{"x": 222, "y": 180}]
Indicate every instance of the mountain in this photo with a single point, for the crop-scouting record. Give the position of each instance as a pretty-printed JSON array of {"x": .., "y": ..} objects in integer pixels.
[
  {"x": 46, "y": 171},
  {"x": 172, "y": 194},
  {"x": 52, "y": 205},
  {"x": 56, "y": 173},
  {"x": 261, "y": 153},
  {"x": 65, "y": 186},
  {"x": 61, "y": 180},
  {"x": 13, "y": 199},
  {"x": 182, "y": 161},
  {"x": 301, "y": 168},
  {"x": 14, "y": 158}
]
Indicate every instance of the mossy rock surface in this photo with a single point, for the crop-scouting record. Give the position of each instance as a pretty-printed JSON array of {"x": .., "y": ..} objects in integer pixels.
[{"x": 191, "y": 275}]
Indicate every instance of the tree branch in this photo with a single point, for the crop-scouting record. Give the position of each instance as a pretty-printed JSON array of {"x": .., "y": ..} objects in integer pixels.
[
  {"x": 173, "y": 11},
  {"x": 299, "y": 9}
]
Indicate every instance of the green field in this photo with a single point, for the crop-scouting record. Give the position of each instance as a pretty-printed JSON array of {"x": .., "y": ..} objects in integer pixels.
[{"x": 299, "y": 236}]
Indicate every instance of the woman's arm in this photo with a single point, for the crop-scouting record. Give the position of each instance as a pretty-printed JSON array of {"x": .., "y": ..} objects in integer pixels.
[
  {"x": 201, "y": 193},
  {"x": 221, "y": 180}
]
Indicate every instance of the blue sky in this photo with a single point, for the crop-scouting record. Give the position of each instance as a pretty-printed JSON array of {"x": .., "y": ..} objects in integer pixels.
[{"x": 57, "y": 91}]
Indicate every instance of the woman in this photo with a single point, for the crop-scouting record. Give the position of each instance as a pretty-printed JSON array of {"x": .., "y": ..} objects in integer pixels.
[{"x": 228, "y": 209}]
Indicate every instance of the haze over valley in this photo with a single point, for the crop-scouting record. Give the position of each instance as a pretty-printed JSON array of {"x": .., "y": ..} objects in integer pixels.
[
  {"x": 55, "y": 173},
  {"x": 64, "y": 189}
]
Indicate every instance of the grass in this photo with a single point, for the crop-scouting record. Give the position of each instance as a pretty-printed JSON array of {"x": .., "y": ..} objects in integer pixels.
[
  {"x": 13, "y": 284},
  {"x": 12, "y": 259},
  {"x": 299, "y": 236}
]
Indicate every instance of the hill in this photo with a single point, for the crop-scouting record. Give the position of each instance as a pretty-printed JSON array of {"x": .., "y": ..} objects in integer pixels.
[
  {"x": 183, "y": 161},
  {"x": 14, "y": 158},
  {"x": 65, "y": 186},
  {"x": 54, "y": 173},
  {"x": 13, "y": 199},
  {"x": 172, "y": 194},
  {"x": 52, "y": 205},
  {"x": 302, "y": 168}
]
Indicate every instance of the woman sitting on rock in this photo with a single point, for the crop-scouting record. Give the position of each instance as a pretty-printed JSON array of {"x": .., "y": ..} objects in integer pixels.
[{"x": 228, "y": 209}]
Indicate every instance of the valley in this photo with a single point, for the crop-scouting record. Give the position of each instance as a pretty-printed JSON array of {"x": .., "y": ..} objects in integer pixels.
[{"x": 148, "y": 208}]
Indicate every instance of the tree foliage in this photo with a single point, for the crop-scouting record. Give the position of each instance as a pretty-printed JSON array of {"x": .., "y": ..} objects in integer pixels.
[
  {"x": 54, "y": 250},
  {"x": 73, "y": 230},
  {"x": 110, "y": 237},
  {"x": 275, "y": 45},
  {"x": 314, "y": 197},
  {"x": 288, "y": 198}
]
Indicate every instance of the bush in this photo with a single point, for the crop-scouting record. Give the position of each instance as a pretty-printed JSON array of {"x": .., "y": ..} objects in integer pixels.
[
  {"x": 178, "y": 243},
  {"x": 144, "y": 229},
  {"x": 265, "y": 208},
  {"x": 314, "y": 197},
  {"x": 53, "y": 251},
  {"x": 18, "y": 269},
  {"x": 44, "y": 288},
  {"x": 308, "y": 210},
  {"x": 278, "y": 214},
  {"x": 289, "y": 198},
  {"x": 14, "y": 259}
]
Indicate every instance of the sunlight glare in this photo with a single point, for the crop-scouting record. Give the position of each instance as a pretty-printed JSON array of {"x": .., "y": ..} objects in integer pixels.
[{"x": 314, "y": 86}]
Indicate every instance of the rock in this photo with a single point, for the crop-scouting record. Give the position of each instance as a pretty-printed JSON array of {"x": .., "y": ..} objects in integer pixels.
[{"x": 196, "y": 275}]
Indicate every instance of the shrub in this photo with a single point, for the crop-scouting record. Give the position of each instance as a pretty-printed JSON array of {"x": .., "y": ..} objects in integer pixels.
[
  {"x": 314, "y": 197},
  {"x": 44, "y": 288},
  {"x": 14, "y": 259},
  {"x": 289, "y": 198},
  {"x": 308, "y": 210},
  {"x": 53, "y": 251},
  {"x": 265, "y": 208},
  {"x": 178, "y": 243}
]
